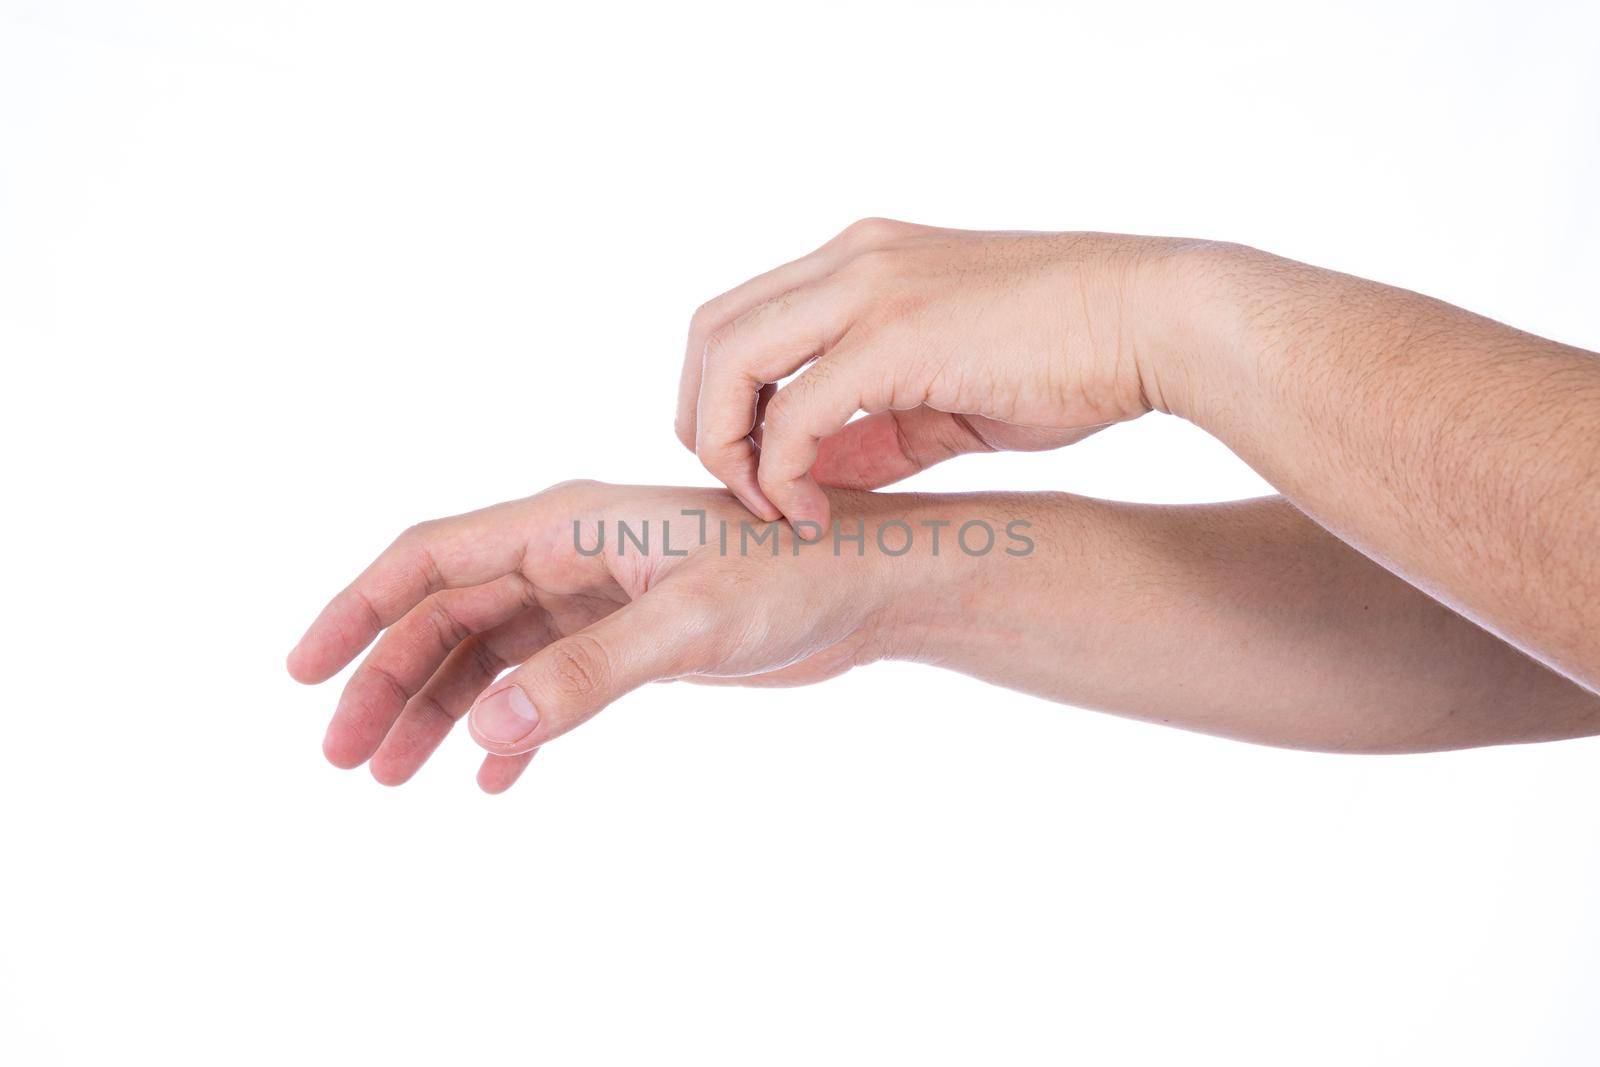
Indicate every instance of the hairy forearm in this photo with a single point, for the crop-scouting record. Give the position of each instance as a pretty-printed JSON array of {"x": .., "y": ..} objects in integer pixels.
[
  {"x": 1245, "y": 620},
  {"x": 1460, "y": 453}
]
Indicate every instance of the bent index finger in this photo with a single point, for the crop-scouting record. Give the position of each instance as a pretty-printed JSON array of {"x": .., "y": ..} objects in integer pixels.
[
  {"x": 444, "y": 554},
  {"x": 718, "y": 313},
  {"x": 763, "y": 346}
]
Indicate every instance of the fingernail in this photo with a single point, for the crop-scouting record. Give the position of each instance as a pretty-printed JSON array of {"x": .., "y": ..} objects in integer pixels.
[
  {"x": 807, "y": 529},
  {"x": 504, "y": 716}
]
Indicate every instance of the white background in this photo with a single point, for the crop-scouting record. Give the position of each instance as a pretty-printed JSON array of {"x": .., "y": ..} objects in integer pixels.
[{"x": 277, "y": 280}]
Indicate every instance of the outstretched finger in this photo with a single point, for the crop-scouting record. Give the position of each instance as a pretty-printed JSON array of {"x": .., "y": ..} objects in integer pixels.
[
  {"x": 451, "y": 553},
  {"x": 407, "y": 656},
  {"x": 499, "y": 773},
  {"x": 430, "y": 715}
]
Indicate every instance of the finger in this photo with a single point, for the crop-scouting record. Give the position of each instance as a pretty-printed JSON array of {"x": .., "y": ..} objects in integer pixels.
[
  {"x": 567, "y": 682},
  {"x": 434, "y": 711},
  {"x": 449, "y": 553},
  {"x": 499, "y": 773},
  {"x": 714, "y": 315},
  {"x": 407, "y": 656},
  {"x": 763, "y": 398},
  {"x": 763, "y": 346},
  {"x": 814, "y": 406},
  {"x": 891, "y": 445}
]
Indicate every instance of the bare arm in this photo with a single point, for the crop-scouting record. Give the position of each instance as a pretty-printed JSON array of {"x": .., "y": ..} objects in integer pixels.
[
  {"x": 1243, "y": 619},
  {"x": 1460, "y": 453}
]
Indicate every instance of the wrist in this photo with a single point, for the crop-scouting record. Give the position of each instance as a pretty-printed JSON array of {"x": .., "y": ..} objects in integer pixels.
[
  {"x": 879, "y": 550},
  {"x": 1187, "y": 310},
  {"x": 967, "y": 556}
]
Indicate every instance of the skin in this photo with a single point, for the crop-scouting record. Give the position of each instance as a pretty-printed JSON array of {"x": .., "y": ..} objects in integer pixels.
[
  {"x": 1431, "y": 460},
  {"x": 1459, "y": 453},
  {"x": 1245, "y": 620}
]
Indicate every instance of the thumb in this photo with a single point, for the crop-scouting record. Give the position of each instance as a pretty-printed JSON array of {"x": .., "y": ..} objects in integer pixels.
[
  {"x": 568, "y": 681},
  {"x": 892, "y": 445}
]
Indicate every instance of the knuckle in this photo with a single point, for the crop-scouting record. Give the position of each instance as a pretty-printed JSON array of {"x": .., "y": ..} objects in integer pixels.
[
  {"x": 776, "y": 483},
  {"x": 718, "y": 347},
  {"x": 411, "y": 558},
  {"x": 416, "y": 533},
  {"x": 775, "y": 307},
  {"x": 450, "y": 630},
  {"x": 704, "y": 319},
  {"x": 387, "y": 679},
  {"x": 579, "y": 495},
  {"x": 711, "y": 452},
  {"x": 485, "y": 662},
  {"x": 578, "y": 666},
  {"x": 778, "y": 470},
  {"x": 871, "y": 230},
  {"x": 727, "y": 464},
  {"x": 574, "y": 489},
  {"x": 575, "y": 485},
  {"x": 364, "y": 600},
  {"x": 685, "y": 431}
]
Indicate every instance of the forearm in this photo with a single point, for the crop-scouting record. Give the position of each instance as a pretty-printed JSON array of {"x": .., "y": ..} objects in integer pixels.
[
  {"x": 1460, "y": 453},
  {"x": 1245, "y": 620}
]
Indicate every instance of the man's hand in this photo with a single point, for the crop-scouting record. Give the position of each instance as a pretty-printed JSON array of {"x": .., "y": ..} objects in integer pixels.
[
  {"x": 459, "y": 600},
  {"x": 954, "y": 341},
  {"x": 1460, "y": 453}
]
